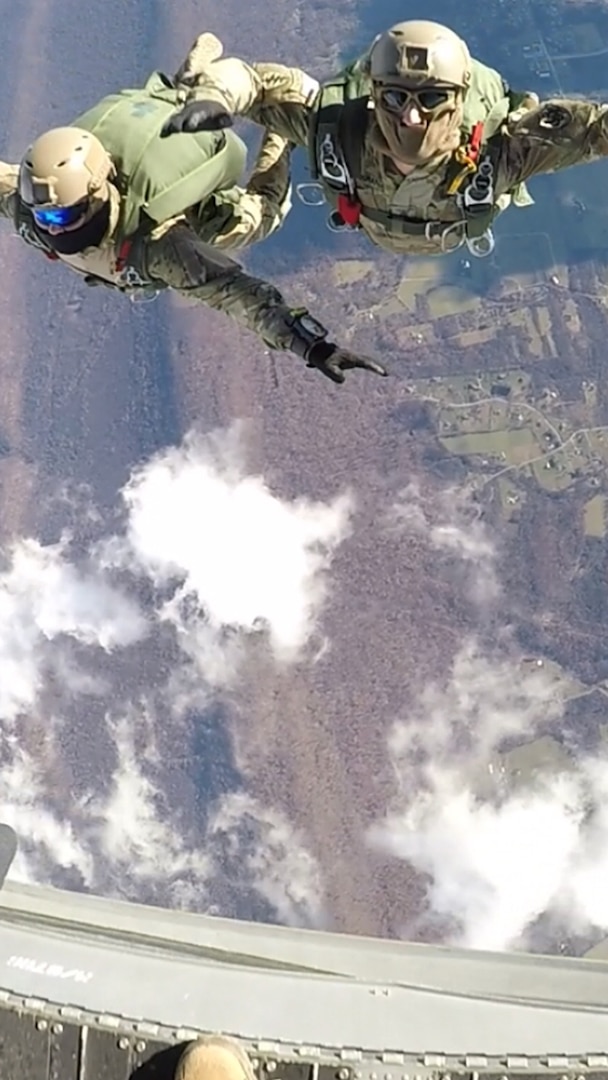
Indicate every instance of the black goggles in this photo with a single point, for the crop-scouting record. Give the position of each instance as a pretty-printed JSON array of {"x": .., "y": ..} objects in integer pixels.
[
  {"x": 59, "y": 217},
  {"x": 428, "y": 99}
]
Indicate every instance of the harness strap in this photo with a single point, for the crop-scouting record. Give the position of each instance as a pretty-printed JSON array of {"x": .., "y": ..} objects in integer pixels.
[
  {"x": 336, "y": 160},
  {"x": 399, "y": 223},
  {"x": 467, "y": 156},
  {"x": 351, "y": 210}
]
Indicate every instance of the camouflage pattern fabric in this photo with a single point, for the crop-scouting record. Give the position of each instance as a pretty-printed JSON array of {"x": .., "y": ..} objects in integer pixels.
[
  {"x": 243, "y": 216},
  {"x": 180, "y": 260},
  {"x": 174, "y": 256},
  {"x": 187, "y": 254},
  {"x": 249, "y": 214},
  {"x": 554, "y": 135}
]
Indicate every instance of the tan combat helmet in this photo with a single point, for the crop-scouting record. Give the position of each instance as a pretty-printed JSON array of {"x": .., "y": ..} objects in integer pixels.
[
  {"x": 66, "y": 167},
  {"x": 417, "y": 52}
]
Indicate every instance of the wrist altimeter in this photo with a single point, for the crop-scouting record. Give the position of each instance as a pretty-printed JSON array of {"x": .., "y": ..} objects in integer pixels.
[{"x": 307, "y": 331}]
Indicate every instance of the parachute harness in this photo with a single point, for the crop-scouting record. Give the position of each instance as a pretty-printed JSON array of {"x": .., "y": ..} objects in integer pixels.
[
  {"x": 477, "y": 198},
  {"x": 467, "y": 156},
  {"x": 332, "y": 170}
]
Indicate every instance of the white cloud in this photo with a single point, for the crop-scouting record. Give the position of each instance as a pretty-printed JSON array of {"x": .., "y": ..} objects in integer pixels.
[
  {"x": 463, "y": 719},
  {"x": 135, "y": 833},
  {"x": 493, "y": 868},
  {"x": 226, "y": 558},
  {"x": 128, "y": 841},
  {"x": 471, "y": 544},
  {"x": 206, "y": 556},
  {"x": 125, "y": 843},
  {"x": 500, "y": 850},
  {"x": 48, "y": 841},
  {"x": 43, "y": 597},
  {"x": 232, "y": 556},
  {"x": 449, "y": 521},
  {"x": 266, "y": 853},
  {"x": 584, "y": 896}
]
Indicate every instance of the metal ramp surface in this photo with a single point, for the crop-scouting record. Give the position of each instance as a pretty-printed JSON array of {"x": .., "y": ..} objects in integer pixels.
[{"x": 44, "y": 1041}]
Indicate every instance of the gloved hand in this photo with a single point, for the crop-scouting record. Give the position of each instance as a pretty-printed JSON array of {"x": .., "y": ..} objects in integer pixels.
[
  {"x": 333, "y": 361},
  {"x": 198, "y": 116},
  {"x": 310, "y": 342}
]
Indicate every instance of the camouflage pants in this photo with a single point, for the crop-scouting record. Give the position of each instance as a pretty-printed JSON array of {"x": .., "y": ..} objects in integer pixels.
[
  {"x": 246, "y": 215},
  {"x": 262, "y": 206}
]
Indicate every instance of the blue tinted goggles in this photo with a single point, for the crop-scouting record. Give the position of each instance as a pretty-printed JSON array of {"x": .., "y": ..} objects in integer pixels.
[{"x": 59, "y": 217}]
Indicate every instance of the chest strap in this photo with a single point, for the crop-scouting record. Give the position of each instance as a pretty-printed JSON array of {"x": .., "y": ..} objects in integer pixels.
[{"x": 403, "y": 225}]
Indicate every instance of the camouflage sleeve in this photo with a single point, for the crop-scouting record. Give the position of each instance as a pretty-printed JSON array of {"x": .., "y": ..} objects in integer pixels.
[
  {"x": 180, "y": 260},
  {"x": 277, "y": 97},
  {"x": 9, "y": 182},
  {"x": 557, "y": 134}
]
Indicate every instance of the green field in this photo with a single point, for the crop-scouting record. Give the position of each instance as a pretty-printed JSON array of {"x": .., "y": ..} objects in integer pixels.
[
  {"x": 594, "y": 523},
  {"x": 493, "y": 418}
]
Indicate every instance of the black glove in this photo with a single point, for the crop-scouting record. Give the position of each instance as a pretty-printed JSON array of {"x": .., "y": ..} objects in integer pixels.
[
  {"x": 310, "y": 343},
  {"x": 333, "y": 361},
  {"x": 197, "y": 116}
]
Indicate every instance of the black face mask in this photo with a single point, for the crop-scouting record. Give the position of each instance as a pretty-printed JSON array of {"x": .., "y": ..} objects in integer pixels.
[{"x": 89, "y": 235}]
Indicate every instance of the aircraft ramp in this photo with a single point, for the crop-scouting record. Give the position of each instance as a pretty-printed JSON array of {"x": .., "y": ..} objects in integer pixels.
[{"x": 93, "y": 989}]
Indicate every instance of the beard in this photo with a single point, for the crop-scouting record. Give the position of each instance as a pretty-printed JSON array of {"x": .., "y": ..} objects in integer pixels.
[{"x": 416, "y": 146}]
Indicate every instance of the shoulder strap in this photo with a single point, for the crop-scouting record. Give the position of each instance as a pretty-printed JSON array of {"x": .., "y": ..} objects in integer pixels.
[
  {"x": 336, "y": 136},
  {"x": 471, "y": 171},
  {"x": 480, "y": 204},
  {"x": 353, "y": 125}
]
